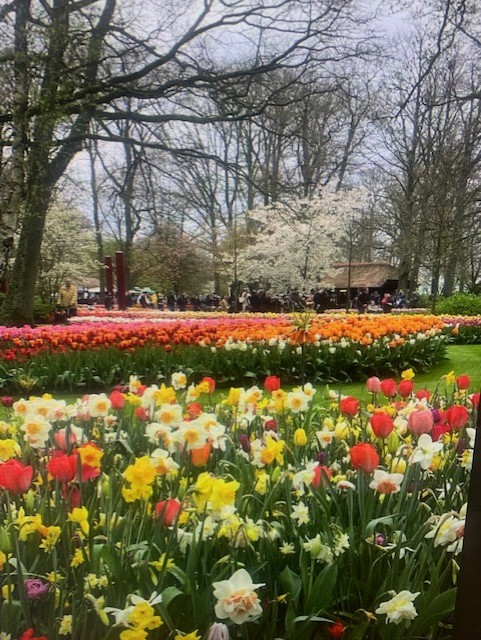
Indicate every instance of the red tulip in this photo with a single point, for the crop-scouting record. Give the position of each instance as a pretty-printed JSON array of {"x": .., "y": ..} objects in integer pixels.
[
  {"x": 62, "y": 467},
  {"x": 456, "y": 416},
  {"x": 336, "y": 629},
  {"x": 373, "y": 384},
  {"x": 142, "y": 414},
  {"x": 117, "y": 399},
  {"x": 15, "y": 477},
  {"x": 166, "y": 511},
  {"x": 422, "y": 394},
  {"x": 438, "y": 431},
  {"x": 475, "y": 399},
  {"x": 364, "y": 456},
  {"x": 200, "y": 456},
  {"x": 210, "y": 382},
  {"x": 388, "y": 387},
  {"x": 321, "y": 472},
  {"x": 270, "y": 425},
  {"x": 405, "y": 388},
  {"x": 382, "y": 424},
  {"x": 420, "y": 422},
  {"x": 194, "y": 409},
  {"x": 349, "y": 405},
  {"x": 7, "y": 401},
  {"x": 272, "y": 383},
  {"x": 463, "y": 382}
]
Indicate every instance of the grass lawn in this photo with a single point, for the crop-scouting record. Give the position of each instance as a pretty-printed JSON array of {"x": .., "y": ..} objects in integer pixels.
[{"x": 462, "y": 359}]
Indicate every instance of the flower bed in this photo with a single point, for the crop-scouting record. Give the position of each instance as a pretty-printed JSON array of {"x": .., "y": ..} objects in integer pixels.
[
  {"x": 152, "y": 513},
  {"x": 231, "y": 349}
]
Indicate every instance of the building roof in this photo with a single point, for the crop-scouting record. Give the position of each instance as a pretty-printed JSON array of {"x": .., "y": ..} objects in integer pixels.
[{"x": 364, "y": 274}]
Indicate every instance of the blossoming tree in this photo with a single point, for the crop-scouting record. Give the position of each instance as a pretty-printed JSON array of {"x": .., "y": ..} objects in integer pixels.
[{"x": 295, "y": 243}]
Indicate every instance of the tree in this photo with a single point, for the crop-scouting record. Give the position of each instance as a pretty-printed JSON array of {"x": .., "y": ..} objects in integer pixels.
[
  {"x": 68, "y": 250},
  {"x": 296, "y": 242},
  {"x": 71, "y": 63}
]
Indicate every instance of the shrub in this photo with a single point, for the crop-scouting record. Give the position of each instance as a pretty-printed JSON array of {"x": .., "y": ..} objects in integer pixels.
[{"x": 463, "y": 304}]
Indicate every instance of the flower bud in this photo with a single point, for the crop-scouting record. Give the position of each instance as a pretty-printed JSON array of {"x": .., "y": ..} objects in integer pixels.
[{"x": 300, "y": 438}]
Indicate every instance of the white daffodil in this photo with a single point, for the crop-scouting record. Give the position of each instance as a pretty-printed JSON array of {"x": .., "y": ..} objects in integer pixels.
[
  {"x": 384, "y": 482},
  {"x": 236, "y": 598},
  {"x": 400, "y": 607},
  {"x": 425, "y": 451}
]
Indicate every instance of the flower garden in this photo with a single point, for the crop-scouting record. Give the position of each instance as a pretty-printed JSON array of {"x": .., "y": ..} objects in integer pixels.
[{"x": 158, "y": 507}]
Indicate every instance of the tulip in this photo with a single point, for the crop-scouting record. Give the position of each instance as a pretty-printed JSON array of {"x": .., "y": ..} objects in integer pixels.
[
  {"x": 210, "y": 382},
  {"x": 463, "y": 382},
  {"x": 388, "y": 387},
  {"x": 422, "y": 394},
  {"x": 373, "y": 384},
  {"x": 420, "y": 422},
  {"x": 272, "y": 383},
  {"x": 194, "y": 409},
  {"x": 457, "y": 416},
  {"x": 270, "y": 425},
  {"x": 321, "y": 472},
  {"x": 117, "y": 399},
  {"x": 62, "y": 467},
  {"x": 364, "y": 456},
  {"x": 35, "y": 588},
  {"x": 7, "y": 401},
  {"x": 382, "y": 424},
  {"x": 300, "y": 438},
  {"x": 349, "y": 406},
  {"x": 61, "y": 439},
  {"x": 438, "y": 431},
  {"x": 475, "y": 399},
  {"x": 167, "y": 511},
  {"x": 15, "y": 477},
  {"x": 405, "y": 388},
  {"x": 200, "y": 456},
  {"x": 218, "y": 631},
  {"x": 336, "y": 629},
  {"x": 142, "y": 414}
]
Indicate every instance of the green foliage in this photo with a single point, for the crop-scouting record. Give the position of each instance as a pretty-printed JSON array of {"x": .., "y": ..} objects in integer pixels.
[
  {"x": 43, "y": 311},
  {"x": 462, "y": 304}
]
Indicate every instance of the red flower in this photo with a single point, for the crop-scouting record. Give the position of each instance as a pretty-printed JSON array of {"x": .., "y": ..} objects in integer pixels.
[
  {"x": 438, "y": 431},
  {"x": 422, "y": 394},
  {"x": 475, "y": 399},
  {"x": 167, "y": 511},
  {"x": 388, "y": 387},
  {"x": 272, "y": 383},
  {"x": 270, "y": 425},
  {"x": 382, "y": 424},
  {"x": 15, "y": 476},
  {"x": 142, "y": 414},
  {"x": 405, "y": 388},
  {"x": 194, "y": 409},
  {"x": 117, "y": 399},
  {"x": 62, "y": 467},
  {"x": 349, "y": 405},
  {"x": 364, "y": 456},
  {"x": 321, "y": 472},
  {"x": 373, "y": 384},
  {"x": 463, "y": 382},
  {"x": 420, "y": 422},
  {"x": 456, "y": 416},
  {"x": 336, "y": 629},
  {"x": 200, "y": 456},
  {"x": 210, "y": 382},
  {"x": 29, "y": 634},
  {"x": 7, "y": 401}
]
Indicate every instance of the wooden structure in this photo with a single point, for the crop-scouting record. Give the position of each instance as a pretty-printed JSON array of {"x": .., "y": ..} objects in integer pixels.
[{"x": 375, "y": 276}]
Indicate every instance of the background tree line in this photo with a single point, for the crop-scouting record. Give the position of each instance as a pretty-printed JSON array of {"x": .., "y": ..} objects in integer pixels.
[{"x": 191, "y": 132}]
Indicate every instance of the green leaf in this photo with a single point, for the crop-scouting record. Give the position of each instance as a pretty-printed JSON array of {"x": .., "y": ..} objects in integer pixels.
[
  {"x": 320, "y": 595},
  {"x": 432, "y": 612},
  {"x": 290, "y": 583},
  {"x": 170, "y": 594}
]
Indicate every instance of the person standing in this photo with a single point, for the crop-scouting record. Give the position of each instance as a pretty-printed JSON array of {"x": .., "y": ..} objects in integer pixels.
[{"x": 67, "y": 298}]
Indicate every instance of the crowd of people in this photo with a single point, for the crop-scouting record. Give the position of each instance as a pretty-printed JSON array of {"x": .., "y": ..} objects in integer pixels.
[{"x": 256, "y": 301}]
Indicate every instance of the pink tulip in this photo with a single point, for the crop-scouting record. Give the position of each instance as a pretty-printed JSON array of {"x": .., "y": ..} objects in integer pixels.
[{"x": 420, "y": 422}]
